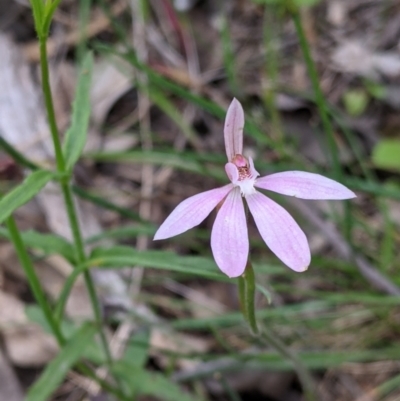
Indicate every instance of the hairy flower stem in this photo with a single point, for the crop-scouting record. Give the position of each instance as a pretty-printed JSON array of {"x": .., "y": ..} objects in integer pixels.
[
  {"x": 247, "y": 290},
  {"x": 305, "y": 378},
  {"x": 247, "y": 287},
  {"x": 67, "y": 193},
  {"x": 319, "y": 96}
]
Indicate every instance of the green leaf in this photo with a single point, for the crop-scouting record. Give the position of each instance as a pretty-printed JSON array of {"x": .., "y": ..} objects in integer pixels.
[
  {"x": 18, "y": 157},
  {"x": 306, "y": 3},
  {"x": 355, "y": 101},
  {"x": 375, "y": 89},
  {"x": 104, "y": 203},
  {"x": 93, "y": 352},
  {"x": 123, "y": 232},
  {"x": 75, "y": 137},
  {"x": 373, "y": 188},
  {"x": 162, "y": 158},
  {"x": 58, "y": 368},
  {"x": 267, "y": 294},
  {"x": 229, "y": 57},
  {"x": 49, "y": 9},
  {"x": 36, "y": 315},
  {"x": 167, "y": 85},
  {"x": 47, "y": 243},
  {"x": 38, "y": 15},
  {"x": 24, "y": 192},
  {"x": 159, "y": 99},
  {"x": 137, "y": 349},
  {"x": 386, "y": 154},
  {"x": 122, "y": 256},
  {"x": 289, "y": 3},
  {"x": 142, "y": 382},
  {"x": 247, "y": 289}
]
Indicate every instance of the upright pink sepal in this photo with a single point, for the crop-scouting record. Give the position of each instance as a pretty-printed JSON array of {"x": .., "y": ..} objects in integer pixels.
[
  {"x": 229, "y": 237},
  {"x": 254, "y": 173},
  {"x": 304, "y": 185},
  {"x": 280, "y": 232},
  {"x": 191, "y": 212},
  {"x": 233, "y": 130}
]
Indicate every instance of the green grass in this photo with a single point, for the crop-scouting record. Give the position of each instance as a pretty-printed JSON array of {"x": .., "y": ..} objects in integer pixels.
[{"x": 327, "y": 316}]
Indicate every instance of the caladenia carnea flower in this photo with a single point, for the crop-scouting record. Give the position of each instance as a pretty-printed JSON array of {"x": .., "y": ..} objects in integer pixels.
[{"x": 229, "y": 236}]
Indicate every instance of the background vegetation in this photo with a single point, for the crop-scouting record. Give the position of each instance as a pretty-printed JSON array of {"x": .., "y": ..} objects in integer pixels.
[{"x": 111, "y": 114}]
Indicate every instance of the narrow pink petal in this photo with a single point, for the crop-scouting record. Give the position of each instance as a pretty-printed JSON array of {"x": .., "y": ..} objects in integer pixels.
[
  {"x": 280, "y": 232},
  {"x": 232, "y": 172},
  {"x": 191, "y": 212},
  {"x": 229, "y": 237},
  {"x": 254, "y": 173},
  {"x": 233, "y": 130},
  {"x": 304, "y": 185}
]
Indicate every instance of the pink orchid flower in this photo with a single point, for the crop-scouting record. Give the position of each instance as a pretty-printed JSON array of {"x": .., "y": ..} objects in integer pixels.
[{"x": 229, "y": 237}]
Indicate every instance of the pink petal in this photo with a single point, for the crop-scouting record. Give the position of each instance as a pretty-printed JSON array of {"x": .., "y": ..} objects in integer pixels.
[
  {"x": 254, "y": 173},
  {"x": 280, "y": 232},
  {"x": 191, "y": 212},
  {"x": 233, "y": 130},
  {"x": 232, "y": 172},
  {"x": 229, "y": 238},
  {"x": 304, "y": 185}
]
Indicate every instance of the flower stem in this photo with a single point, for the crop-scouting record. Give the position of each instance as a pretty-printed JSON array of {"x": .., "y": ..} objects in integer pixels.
[
  {"x": 241, "y": 290},
  {"x": 246, "y": 285},
  {"x": 305, "y": 378},
  {"x": 319, "y": 96},
  {"x": 247, "y": 290}
]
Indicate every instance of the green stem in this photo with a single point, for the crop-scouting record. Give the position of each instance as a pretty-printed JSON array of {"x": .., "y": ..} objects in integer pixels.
[
  {"x": 40, "y": 297},
  {"x": 17, "y": 156},
  {"x": 81, "y": 258},
  {"x": 250, "y": 297},
  {"x": 319, "y": 96},
  {"x": 73, "y": 220},
  {"x": 97, "y": 200},
  {"x": 247, "y": 290},
  {"x": 324, "y": 111},
  {"x": 48, "y": 98},
  {"x": 33, "y": 279},
  {"x": 305, "y": 378},
  {"x": 66, "y": 190},
  {"x": 272, "y": 72},
  {"x": 242, "y": 297},
  {"x": 229, "y": 58},
  {"x": 104, "y": 384},
  {"x": 84, "y": 18}
]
